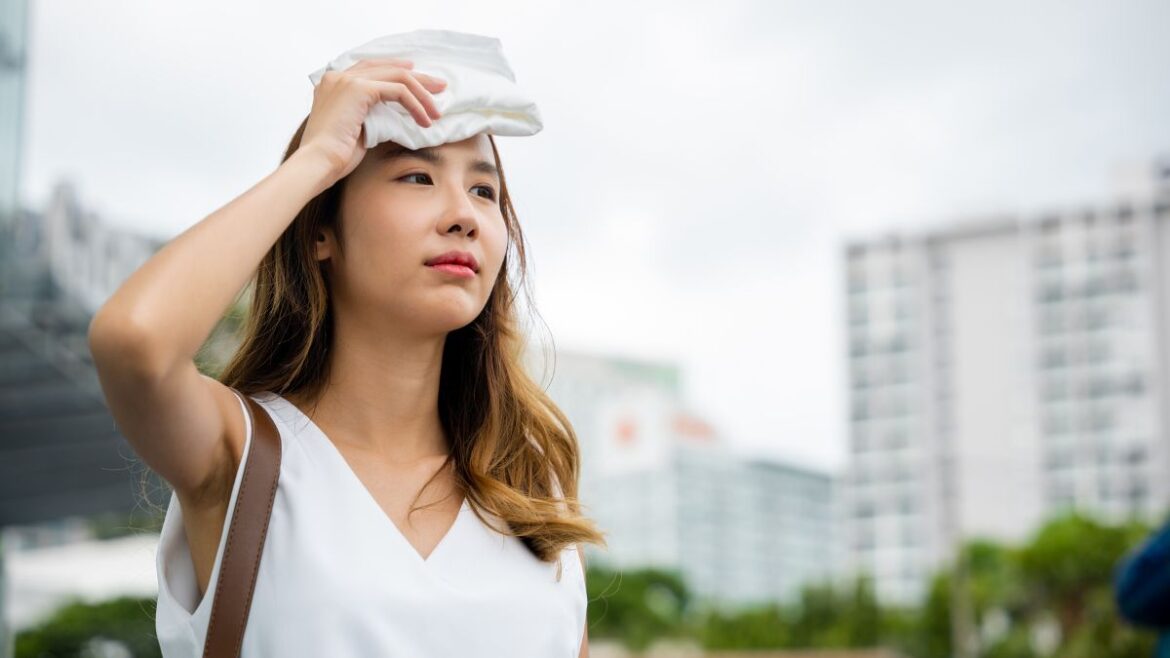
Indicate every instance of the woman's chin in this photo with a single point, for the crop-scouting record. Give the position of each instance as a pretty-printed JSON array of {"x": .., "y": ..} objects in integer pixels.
[
  {"x": 449, "y": 320},
  {"x": 440, "y": 314}
]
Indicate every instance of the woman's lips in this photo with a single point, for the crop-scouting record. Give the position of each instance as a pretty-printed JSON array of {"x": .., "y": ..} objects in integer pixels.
[{"x": 453, "y": 269}]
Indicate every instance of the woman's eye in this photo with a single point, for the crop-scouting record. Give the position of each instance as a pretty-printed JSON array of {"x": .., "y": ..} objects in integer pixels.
[{"x": 491, "y": 193}]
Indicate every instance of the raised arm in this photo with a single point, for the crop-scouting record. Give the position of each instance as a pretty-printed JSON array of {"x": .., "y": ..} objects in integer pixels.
[{"x": 144, "y": 339}]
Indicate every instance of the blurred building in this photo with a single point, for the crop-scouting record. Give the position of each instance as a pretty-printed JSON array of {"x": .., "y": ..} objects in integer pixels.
[
  {"x": 55, "y": 431},
  {"x": 670, "y": 493},
  {"x": 63, "y": 462},
  {"x": 1001, "y": 371},
  {"x": 13, "y": 73},
  {"x": 86, "y": 255}
]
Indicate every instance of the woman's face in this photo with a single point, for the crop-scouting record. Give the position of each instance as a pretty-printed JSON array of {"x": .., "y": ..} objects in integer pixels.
[{"x": 399, "y": 210}]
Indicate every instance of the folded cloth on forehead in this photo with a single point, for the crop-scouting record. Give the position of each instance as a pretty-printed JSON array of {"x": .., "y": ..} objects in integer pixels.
[{"x": 481, "y": 93}]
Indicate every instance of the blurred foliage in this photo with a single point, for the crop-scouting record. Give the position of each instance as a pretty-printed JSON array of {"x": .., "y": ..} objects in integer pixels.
[
  {"x": 113, "y": 524},
  {"x": 1049, "y": 597},
  {"x": 225, "y": 338},
  {"x": 76, "y": 628},
  {"x": 637, "y": 606},
  {"x": 826, "y": 616},
  {"x": 1056, "y": 588},
  {"x": 1068, "y": 571}
]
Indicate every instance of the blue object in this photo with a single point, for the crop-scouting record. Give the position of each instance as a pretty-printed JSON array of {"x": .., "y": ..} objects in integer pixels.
[{"x": 1142, "y": 587}]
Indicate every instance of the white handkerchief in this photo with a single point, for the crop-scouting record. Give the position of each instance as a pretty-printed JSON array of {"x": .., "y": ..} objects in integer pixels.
[{"x": 481, "y": 93}]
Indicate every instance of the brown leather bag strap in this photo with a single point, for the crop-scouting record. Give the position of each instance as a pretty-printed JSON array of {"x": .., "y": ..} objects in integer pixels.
[{"x": 245, "y": 539}]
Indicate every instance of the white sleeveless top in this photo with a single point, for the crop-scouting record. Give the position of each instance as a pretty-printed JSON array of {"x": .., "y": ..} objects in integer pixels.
[{"x": 337, "y": 577}]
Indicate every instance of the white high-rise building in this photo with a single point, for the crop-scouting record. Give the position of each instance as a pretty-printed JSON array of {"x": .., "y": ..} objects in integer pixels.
[
  {"x": 1003, "y": 370},
  {"x": 670, "y": 493}
]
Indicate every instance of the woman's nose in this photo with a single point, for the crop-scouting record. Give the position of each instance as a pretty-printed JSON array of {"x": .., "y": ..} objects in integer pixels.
[{"x": 459, "y": 209}]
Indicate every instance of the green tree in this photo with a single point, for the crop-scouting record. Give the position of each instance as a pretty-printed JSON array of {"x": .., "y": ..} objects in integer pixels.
[
  {"x": 1064, "y": 572},
  {"x": 1068, "y": 568},
  {"x": 1068, "y": 559},
  {"x": 759, "y": 627},
  {"x": 70, "y": 629},
  {"x": 825, "y": 616},
  {"x": 636, "y": 607}
]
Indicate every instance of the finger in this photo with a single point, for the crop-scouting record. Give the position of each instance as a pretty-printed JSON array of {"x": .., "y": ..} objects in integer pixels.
[
  {"x": 392, "y": 72},
  {"x": 430, "y": 82},
  {"x": 397, "y": 91},
  {"x": 424, "y": 95},
  {"x": 383, "y": 61},
  {"x": 395, "y": 74}
]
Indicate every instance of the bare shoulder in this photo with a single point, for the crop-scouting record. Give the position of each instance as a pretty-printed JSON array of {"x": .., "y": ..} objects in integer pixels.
[
  {"x": 205, "y": 508},
  {"x": 216, "y": 489}
]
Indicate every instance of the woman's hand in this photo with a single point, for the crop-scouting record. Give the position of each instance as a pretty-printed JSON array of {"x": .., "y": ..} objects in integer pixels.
[{"x": 342, "y": 99}]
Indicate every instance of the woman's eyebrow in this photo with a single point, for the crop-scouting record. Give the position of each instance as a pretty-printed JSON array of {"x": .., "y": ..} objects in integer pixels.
[{"x": 431, "y": 155}]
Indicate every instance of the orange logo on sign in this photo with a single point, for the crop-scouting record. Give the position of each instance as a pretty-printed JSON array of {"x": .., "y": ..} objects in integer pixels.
[{"x": 626, "y": 431}]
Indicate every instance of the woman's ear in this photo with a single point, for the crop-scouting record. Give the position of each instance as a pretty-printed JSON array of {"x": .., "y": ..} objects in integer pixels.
[{"x": 324, "y": 243}]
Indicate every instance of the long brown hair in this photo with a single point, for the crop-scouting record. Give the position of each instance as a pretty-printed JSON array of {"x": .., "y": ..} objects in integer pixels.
[{"x": 508, "y": 438}]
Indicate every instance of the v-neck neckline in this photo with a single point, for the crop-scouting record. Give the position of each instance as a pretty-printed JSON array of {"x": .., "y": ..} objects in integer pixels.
[{"x": 352, "y": 475}]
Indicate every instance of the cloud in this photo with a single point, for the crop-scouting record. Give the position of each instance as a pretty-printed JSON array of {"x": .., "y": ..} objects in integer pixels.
[{"x": 700, "y": 165}]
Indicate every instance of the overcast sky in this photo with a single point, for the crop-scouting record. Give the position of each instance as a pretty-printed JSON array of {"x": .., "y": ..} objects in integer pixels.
[{"x": 700, "y": 166}]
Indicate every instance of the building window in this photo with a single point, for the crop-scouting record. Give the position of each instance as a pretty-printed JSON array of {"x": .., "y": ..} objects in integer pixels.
[
  {"x": 1098, "y": 351},
  {"x": 860, "y": 379},
  {"x": 907, "y": 505},
  {"x": 1048, "y": 255},
  {"x": 1096, "y": 317},
  {"x": 1124, "y": 280},
  {"x": 1098, "y": 387},
  {"x": 856, "y": 278},
  {"x": 1134, "y": 385},
  {"x": 1059, "y": 458},
  {"x": 860, "y": 408},
  {"x": 899, "y": 343},
  {"x": 1135, "y": 455},
  {"x": 1123, "y": 248},
  {"x": 1060, "y": 495},
  {"x": 1052, "y": 357},
  {"x": 1055, "y": 388},
  {"x": 898, "y": 371},
  {"x": 858, "y": 347},
  {"x": 860, "y": 442},
  {"x": 1056, "y": 422},
  {"x": 1100, "y": 419},
  {"x": 858, "y": 312},
  {"x": 1051, "y": 291},
  {"x": 902, "y": 309},
  {"x": 1136, "y": 493},
  {"x": 909, "y": 537},
  {"x": 864, "y": 540},
  {"x": 1052, "y": 321}
]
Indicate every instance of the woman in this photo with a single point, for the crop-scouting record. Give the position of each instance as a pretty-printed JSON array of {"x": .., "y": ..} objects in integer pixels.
[{"x": 384, "y": 343}]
